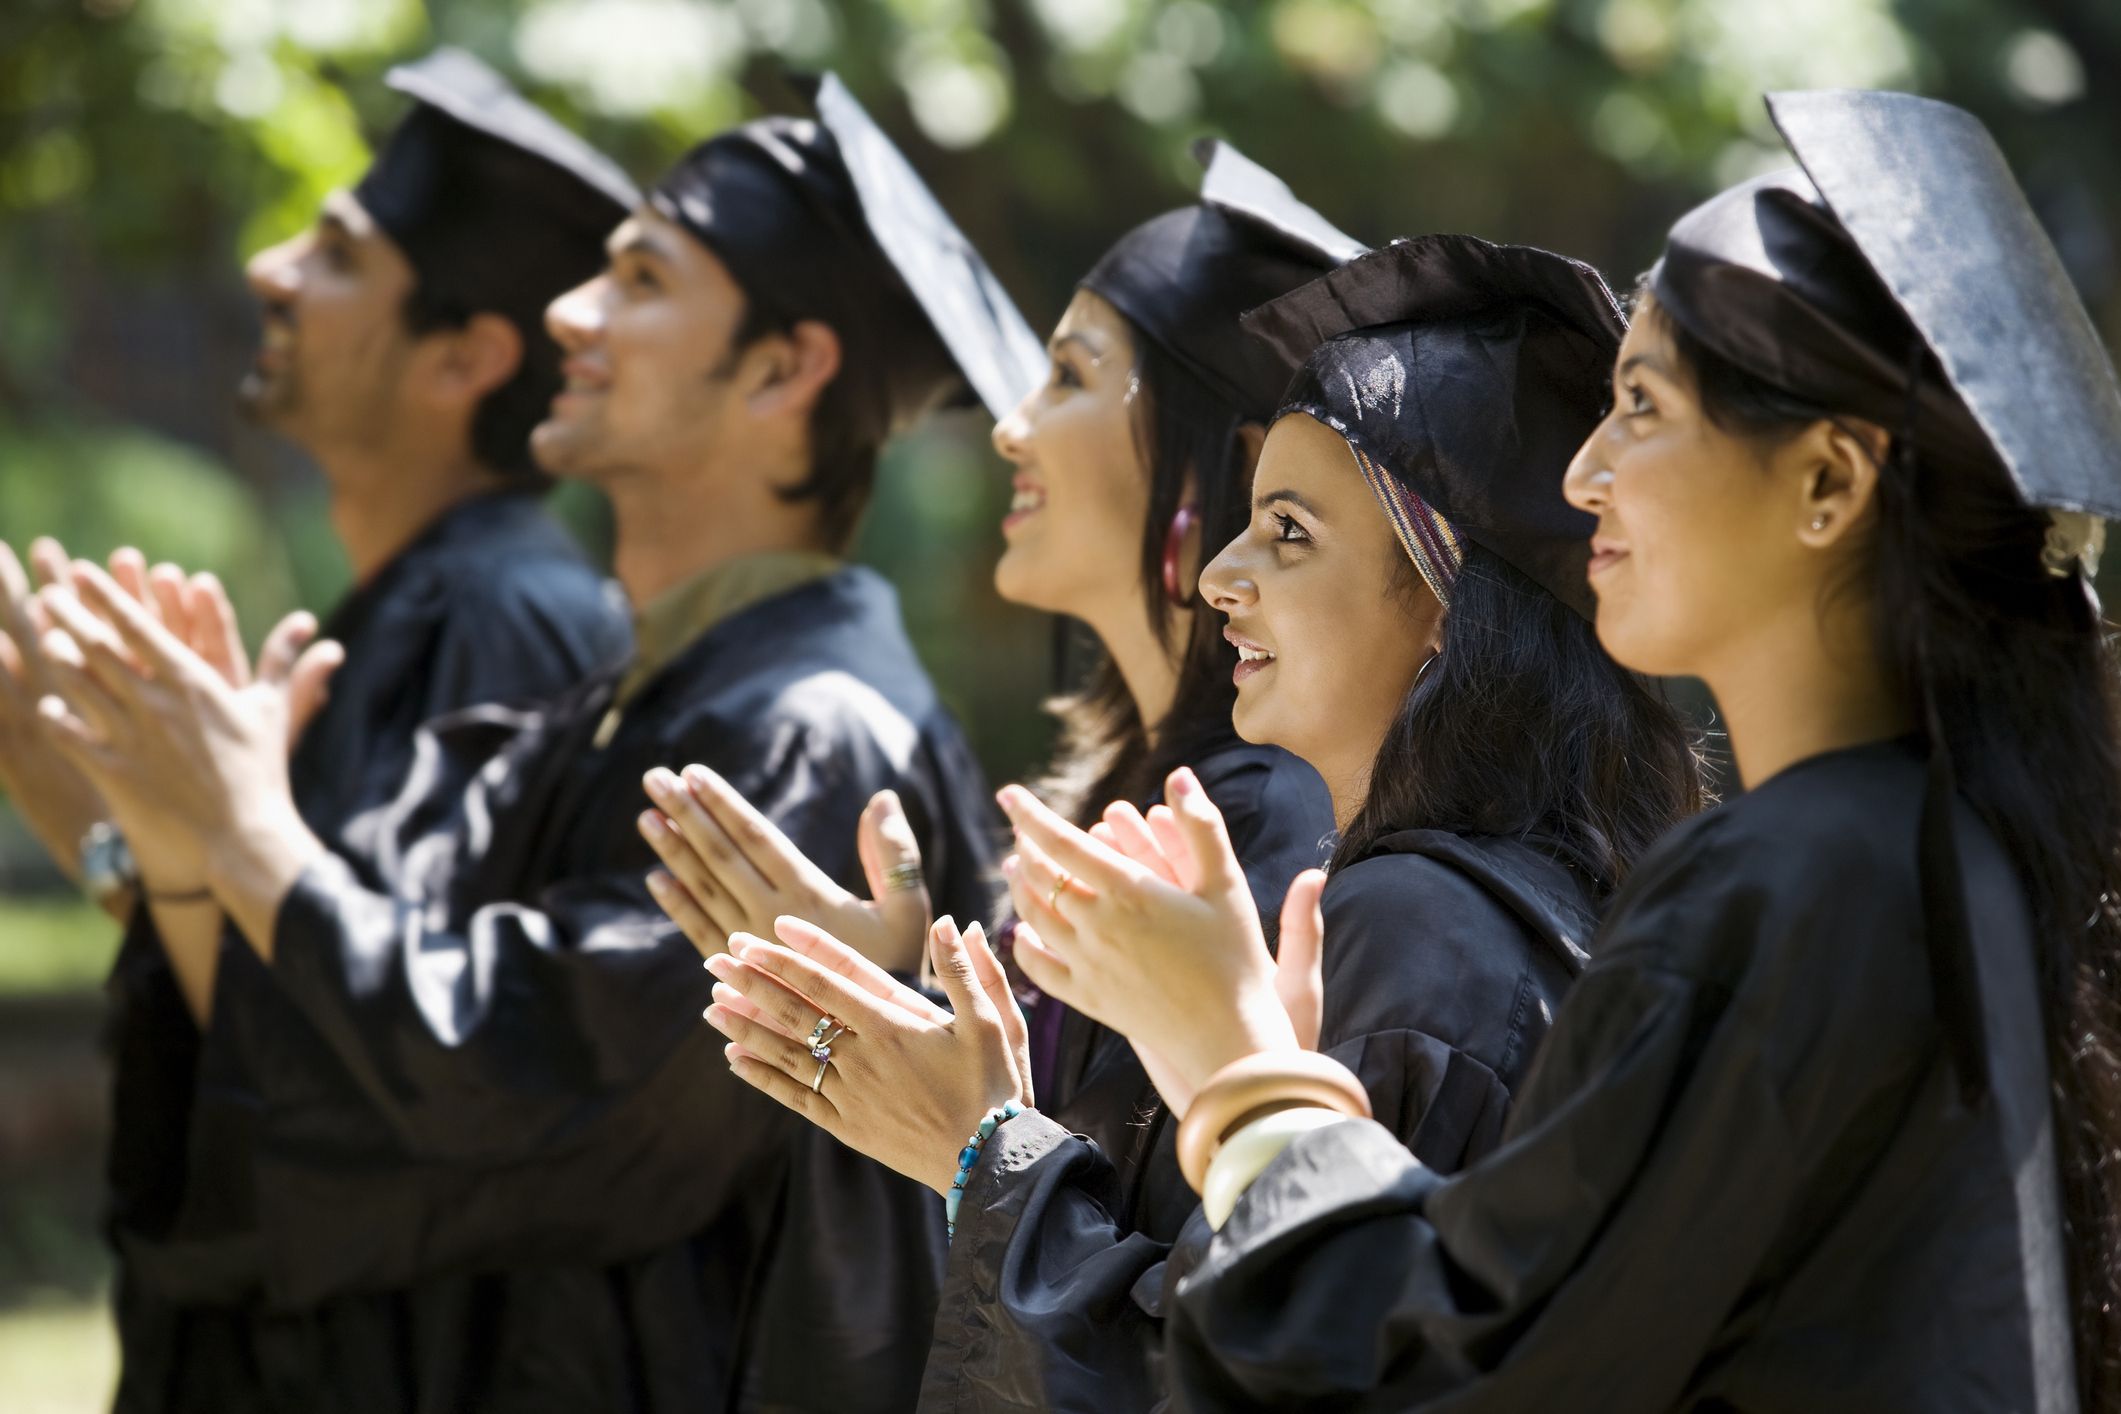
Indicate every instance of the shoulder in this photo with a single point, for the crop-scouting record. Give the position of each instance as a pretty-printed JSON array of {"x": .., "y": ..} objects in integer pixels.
[
  {"x": 1409, "y": 895},
  {"x": 827, "y": 665},
  {"x": 1826, "y": 850},
  {"x": 1275, "y": 807}
]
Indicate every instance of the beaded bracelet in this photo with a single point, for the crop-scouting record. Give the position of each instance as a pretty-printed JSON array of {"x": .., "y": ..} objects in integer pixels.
[{"x": 968, "y": 1156}]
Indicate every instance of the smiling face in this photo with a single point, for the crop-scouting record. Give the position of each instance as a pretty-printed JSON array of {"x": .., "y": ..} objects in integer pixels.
[
  {"x": 648, "y": 374},
  {"x": 1704, "y": 538},
  {"x": 1330, "y": 621},
  {"x": 330, "y": 371},
  {"x": 1074, "y": 529}
]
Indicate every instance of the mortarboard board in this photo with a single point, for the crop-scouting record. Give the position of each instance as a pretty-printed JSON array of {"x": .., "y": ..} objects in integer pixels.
[
  {"x": 1184, "y": 277},
  {"x": 828, "y": 221}
]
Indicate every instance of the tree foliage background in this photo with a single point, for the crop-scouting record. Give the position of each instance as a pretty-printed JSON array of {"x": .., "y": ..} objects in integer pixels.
[{"x": 147, "y": 146}]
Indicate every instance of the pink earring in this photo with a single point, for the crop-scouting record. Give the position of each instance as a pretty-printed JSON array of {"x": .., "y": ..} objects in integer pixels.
[{"x": 1175, "y": 547}]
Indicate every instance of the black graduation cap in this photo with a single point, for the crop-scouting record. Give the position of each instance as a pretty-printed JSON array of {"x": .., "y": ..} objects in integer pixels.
[
  {"x": 1469, "y": 371},
  {"x": 1184, "y": 277},
  {"x": 828, "y": 221},
  {"x": 1904, "y": 275},
  {"x": 495, "y": 204}
]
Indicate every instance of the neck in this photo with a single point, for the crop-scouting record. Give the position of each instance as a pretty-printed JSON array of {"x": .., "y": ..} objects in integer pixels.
[
  {"x": 1801, "y": 685},
  {"x": 671, "y": 528},
  {"x": 1149, "y": 669},
  {"x": 381, "y": 505}
]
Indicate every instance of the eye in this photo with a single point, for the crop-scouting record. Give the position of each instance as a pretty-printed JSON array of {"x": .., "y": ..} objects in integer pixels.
[
  {"x": 1287, "y": 531},
  {"x": 335, "y": 252},
  {"x": 1638, "y": 402},
  {"x": 642, "y": 280},
  {"x": 1064, "y": 375}
]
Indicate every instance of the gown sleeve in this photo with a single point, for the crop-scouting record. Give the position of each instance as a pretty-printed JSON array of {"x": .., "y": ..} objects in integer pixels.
[
  {"x": 1651, "y": 1167},
  {"x": 468, "y": 1069}
]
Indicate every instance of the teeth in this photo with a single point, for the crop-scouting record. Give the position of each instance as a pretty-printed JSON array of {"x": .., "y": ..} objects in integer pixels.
[
  {"x": 1253, "y": 655},
  {"x": 1026, "y": 499}
]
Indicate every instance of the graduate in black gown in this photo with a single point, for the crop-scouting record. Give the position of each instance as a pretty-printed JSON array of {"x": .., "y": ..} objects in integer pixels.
[
  {"x": 498, "y": 1163},
  {"x": 405, "y": 349},
  {"x": 1828, "y": 1122}
]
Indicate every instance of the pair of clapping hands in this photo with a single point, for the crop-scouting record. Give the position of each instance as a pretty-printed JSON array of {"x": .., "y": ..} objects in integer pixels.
[
  {"x": 139, "y": 678},
  {"x": 1143, "y": 922}
]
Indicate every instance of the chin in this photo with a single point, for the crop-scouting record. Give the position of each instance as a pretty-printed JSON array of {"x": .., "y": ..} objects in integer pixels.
[{"x": 1016, "y": 579}]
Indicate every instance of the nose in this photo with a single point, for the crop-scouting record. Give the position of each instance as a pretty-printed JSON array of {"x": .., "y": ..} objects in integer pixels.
[
  {"x": 1588, "y": 483},
  {"x": 1227, "y": 583},
  {"x": 576, "y": 319},
  {"x": 273, "y": 274},
  {"x": 1012, "y": 435}
]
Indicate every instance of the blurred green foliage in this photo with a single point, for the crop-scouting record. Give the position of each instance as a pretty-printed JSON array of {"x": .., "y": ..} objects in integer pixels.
[{"x": 147, "y": 145}]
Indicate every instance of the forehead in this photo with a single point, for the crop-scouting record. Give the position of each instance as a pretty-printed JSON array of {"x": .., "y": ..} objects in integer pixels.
[
  {"x": 649, "y": 235},
  {"x": 1304, "y": 455},
  {"x": 344, "y": 210},
  {"x": 1091, "y": 319}
]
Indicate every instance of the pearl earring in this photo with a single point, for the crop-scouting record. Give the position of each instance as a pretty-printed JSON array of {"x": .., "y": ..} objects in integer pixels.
[{"x": 1818, "y": 522}]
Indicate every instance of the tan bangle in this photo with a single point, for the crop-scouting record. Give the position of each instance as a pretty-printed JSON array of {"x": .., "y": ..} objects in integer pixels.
[{"x": 1258, "y": 1085}]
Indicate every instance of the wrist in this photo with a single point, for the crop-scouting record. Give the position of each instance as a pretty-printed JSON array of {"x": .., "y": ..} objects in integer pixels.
[
  {"x": 254, "y": 863},
  {"x": 968, "y": 1159}
]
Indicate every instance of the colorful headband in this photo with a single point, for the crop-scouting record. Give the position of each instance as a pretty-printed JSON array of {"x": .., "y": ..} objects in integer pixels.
[{"x": 1427, "y": 537}]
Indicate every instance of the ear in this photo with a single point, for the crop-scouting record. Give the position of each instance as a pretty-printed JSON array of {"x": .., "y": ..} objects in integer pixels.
[
  {"x": 470, "y": 362},
  {"x": 1251, "y": 436},
  {"x": 792, "y": 370},
  {"x": 1839, "y": 465}
]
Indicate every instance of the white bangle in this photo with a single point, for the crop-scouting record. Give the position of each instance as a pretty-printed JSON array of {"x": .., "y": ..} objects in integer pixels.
[{"x": 1245, "y": 1155}]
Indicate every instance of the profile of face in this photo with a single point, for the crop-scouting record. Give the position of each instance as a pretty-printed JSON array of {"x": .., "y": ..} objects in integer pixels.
[
  {"x": 1073, "y": 533},
  {"x": 649, "y": 377},
  {"x": 1330, "y": 622},
  {"x": 1708, "y": 540},
  {"x": 335, "y": 350}
]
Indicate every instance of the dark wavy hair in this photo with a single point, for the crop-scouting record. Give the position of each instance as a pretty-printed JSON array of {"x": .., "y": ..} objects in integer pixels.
[
  {"x": 1181, "y": 427},
  {"x": 502, "y": 423},
  {"x": 1523, "y": 727},
  {"x": 2018, "y": 670}
]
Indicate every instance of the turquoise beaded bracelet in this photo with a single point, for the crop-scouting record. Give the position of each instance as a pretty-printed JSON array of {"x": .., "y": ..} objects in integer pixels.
[{"x": 968, "y": 1156}]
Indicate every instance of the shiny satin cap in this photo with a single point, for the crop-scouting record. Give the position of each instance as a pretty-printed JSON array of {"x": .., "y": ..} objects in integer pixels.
[
  {"x": 495, "y": 204},
  {"x": 920, "y": 319},
  {"x": 1184, "y": 277},
  {"x": 1471, "y": 372},
  {"x": 1906, "y": 246},
  {"x": 996, "y": 350}
]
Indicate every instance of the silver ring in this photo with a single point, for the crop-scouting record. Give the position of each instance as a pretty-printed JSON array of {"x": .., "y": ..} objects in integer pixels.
[
  {"x": 902, "y": 878},
  {"x": 1053, "y": 899},
  {"x": 817, "y": 1083}
]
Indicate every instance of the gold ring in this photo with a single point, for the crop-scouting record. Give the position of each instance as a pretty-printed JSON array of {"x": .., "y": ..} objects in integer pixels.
[{"x": 1053, "y": 899}]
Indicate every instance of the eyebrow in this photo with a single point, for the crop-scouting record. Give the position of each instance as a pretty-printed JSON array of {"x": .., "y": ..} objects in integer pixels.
[
  {"x": 1089, "y": 346},
  {"x": 1643, "y": 360},
  {"x": 640, "y": 242},
  {"x": 1291, "y": 497}
]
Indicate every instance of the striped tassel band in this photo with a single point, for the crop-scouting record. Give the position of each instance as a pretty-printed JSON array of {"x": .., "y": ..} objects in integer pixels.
[{"x": 1428, "y": 538}]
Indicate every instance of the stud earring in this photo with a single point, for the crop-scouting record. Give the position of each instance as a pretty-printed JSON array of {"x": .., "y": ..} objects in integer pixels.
[{"x": 1818, "y": 522}]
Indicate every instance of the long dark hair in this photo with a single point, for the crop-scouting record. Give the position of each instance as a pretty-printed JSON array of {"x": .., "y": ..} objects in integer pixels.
[
  {"x": 1181, "y": 427},
  {"x": 2017, "y": 668},
  {"x": 1523, "y": 727}
]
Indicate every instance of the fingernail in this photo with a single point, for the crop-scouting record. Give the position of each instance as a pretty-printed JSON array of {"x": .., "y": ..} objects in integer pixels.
[
  {"x": 651, "y": 822},
  {"x": 721, "y": 965},
  {"x": 715, "y": 1016},
  {"x": 659, "y": 782},
  {"x": 1182, "y": 782},
  {"x": 658, "y": 885}
]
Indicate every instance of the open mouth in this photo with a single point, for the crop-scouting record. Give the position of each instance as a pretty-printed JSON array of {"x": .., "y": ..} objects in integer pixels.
[
  {"x": 1028, "y": 500},
  {"x": 1252, "y": 659}
]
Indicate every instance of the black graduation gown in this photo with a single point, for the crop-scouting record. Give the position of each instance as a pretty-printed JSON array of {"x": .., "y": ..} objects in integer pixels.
[
  {"x": 493, "y": 602},
  {"x": 500, "y": 1162},
  {"x": 1444, "y": 957},
  {"x": 1739, "y": 1177}
]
